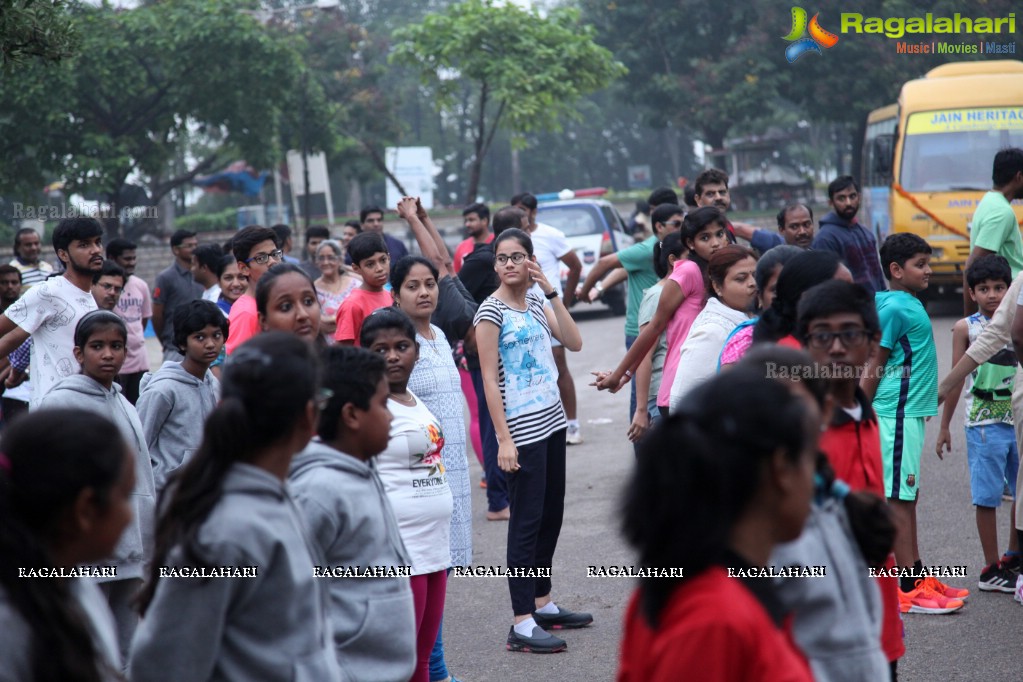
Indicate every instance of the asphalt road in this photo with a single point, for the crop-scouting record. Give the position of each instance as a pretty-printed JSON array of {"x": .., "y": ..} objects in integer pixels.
[{"x": 979, "y": 643}]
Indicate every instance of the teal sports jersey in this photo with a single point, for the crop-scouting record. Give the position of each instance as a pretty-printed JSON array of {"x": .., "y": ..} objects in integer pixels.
[
  {"x": 638, "y": 261},
  {"x": 909, "y": 385}
]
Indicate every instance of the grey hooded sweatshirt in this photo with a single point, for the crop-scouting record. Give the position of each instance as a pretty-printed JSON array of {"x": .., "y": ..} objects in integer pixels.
[
  {"x": 346, "y": 510},
  {"x": 270, "y": 627},
  {"x": 837, "y": 617},
  {"x": 82, "y": 392},
  {"x": 173, "y": 406}
]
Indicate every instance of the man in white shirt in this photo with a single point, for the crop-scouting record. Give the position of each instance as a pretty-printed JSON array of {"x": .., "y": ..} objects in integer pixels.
[
  {"x": 50, "y": 311},
  {"x": 551, "y": 250},
  {"x": 205, "y": 264}
]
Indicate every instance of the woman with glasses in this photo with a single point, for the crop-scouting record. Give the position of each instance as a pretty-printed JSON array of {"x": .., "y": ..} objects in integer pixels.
[
  {"x": 333, "y": 285},
  {"x": 520, "y": 380}
]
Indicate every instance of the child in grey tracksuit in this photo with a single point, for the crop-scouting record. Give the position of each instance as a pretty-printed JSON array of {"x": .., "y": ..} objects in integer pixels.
[
  {"x": 349, "y": 516},
  {"x": 175, "y": 401},
  {"x": 173, "y": 405}
]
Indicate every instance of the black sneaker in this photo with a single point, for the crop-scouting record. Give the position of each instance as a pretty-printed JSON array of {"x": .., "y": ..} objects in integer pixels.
[
  {"x": 1011, "y": 563},
  {"x": 541, "y": 642},
  {"x": 562, "y": 620},
  {"x": 994, "y": 578}
]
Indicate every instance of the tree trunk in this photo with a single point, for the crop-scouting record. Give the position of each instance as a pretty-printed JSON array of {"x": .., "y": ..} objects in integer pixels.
[
  {"x": 516, "y": 171},
  {"x": 112, "y": 220},
  {"x": 857, "y": 148},
  {"x": 479, "y": 139}
]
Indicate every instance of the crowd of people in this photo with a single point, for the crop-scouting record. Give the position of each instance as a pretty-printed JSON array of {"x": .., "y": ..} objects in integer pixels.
[{"x": 287, "y": 494}]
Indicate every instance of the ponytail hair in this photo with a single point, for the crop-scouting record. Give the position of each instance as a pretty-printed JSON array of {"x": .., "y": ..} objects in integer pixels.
[
  {"x": 671, "y": 245},
  {"x": 710, "y": 459},
  {"x": 49, "y": 457},
  {"x": 265, "y": 388},
  {"x": 799, "y": 274}
]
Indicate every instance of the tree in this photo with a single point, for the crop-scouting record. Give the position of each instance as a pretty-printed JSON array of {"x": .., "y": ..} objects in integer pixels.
[
  {"x": 35, "y": 28},
  {"x": 517, "y": 69},
  {"x": 145, "y": 79},
  {"x": 718, "y": 72}
]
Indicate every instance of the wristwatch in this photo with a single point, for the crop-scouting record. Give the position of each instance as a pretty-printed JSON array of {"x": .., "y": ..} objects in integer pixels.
[
  {"x": 551, "y": 296},
  {"x": 600, "y": 289}
]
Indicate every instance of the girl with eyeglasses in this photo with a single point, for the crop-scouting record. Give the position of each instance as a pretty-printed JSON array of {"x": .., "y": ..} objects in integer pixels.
[
  {"x": 229, "y": 508},
  {"x": 333, "y": 285},
  {"x": 513, "y": 334}
]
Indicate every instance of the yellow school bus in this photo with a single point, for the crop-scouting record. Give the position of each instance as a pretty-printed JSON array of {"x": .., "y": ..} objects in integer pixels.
[{"x": 927, "y": 160}]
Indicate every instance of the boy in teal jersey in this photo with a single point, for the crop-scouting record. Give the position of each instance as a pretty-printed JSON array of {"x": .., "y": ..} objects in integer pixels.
[
  {"x": 990, "y": 435},
  {"x": 902, "y": 381}
]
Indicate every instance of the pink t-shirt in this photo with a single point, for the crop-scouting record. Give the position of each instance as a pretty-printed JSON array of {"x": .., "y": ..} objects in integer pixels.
[
  {"x": 356, "y": 308},
  {"x": 689, "y": 278},
  {"x": 134, "y": 306},
  {"x": 737, "y": 346},
  {"x": 243, "y": 322}
]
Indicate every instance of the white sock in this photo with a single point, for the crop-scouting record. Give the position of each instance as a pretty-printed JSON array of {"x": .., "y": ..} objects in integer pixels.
[
  {"x": 525, "y": 628},
  {"x": 549, "y": 609},
  {"x": 573, "y": 423}
]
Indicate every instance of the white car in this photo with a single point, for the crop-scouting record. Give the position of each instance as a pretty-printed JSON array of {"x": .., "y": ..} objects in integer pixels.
[{"x": 593, "y": 229}]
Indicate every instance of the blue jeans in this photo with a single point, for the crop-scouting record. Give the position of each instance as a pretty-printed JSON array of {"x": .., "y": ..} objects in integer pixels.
[
  {"x": 497, "y": 486},
  {"x": 991, "y": 453}
]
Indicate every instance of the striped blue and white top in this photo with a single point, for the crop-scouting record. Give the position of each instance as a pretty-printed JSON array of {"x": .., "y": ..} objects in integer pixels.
[{"x": 527, "y": 375}]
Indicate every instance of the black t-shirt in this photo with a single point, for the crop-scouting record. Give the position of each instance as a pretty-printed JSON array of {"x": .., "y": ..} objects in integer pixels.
[
  {"x": 455, "y": 309},
  {"x": 478, "y": 274},
  {"x": 480, "y": 280}
]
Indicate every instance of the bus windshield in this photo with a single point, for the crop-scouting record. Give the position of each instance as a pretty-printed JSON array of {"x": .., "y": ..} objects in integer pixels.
[{"x": 953, "y": 150}]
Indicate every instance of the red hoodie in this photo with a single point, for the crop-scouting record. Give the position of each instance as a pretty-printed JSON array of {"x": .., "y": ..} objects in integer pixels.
[
  {"x": 854, "y": 450},
  {"x": 712, "y": 628}
]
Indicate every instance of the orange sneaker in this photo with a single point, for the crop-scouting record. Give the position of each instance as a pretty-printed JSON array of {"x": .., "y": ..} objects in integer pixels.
[
  {"x": 925, "y": 599},
  {"x": 946, "y": 590}
]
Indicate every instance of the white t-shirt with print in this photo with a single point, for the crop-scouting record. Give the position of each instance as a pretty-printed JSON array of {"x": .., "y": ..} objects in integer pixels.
[
  {"x": 549, "y": 245},
  {"x": 50, "y": 312},
  {"x": 412, "y": 470}
]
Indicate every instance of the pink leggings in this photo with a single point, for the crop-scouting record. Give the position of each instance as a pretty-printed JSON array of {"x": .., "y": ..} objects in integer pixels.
[
  {"x": 474, "y": 414},
  {"x": 428, "y": 595}
]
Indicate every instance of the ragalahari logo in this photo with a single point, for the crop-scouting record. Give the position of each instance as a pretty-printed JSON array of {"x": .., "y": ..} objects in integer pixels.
[{"x": 801, "y": 44}]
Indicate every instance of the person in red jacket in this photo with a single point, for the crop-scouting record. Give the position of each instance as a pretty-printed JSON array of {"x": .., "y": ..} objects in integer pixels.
[{"x": 706, "y": 516}]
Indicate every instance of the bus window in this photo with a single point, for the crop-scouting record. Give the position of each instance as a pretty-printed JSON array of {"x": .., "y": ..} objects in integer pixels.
[{"x": 961, "y": 160}]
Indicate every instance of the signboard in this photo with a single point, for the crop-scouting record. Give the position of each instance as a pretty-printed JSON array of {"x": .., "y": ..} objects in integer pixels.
[
  {"x": 639, "y": 177},
  {"x": 413, "y": 167},
  {"x": 959, "y": 120},
  {"x": 318, "y": 181}
]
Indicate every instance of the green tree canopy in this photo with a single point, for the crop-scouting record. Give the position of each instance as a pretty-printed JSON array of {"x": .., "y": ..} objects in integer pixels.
[
  {"x": 496, "y": 66},
  {"x": 35, "y": 28},
  {"x": 145, "y": 79}
]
